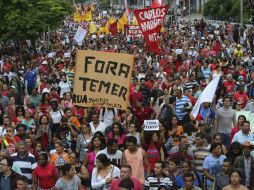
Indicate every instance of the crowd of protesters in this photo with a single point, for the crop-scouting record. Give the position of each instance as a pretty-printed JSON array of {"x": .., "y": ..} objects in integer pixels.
[{"x": 49, "y": 143}]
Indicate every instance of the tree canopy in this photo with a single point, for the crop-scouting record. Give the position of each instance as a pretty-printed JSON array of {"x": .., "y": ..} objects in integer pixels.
[
  {"x": 227, "y": 9},
  {"x": 25, "y": 19}
]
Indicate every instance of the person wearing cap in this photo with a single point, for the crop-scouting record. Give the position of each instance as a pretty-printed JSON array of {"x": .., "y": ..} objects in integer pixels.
[
  {"x": 244, "y": 135},
  {"x": 13, "y": 93},
  {"x": 241, "y": 83},
  {"x": 246, "y": 164},
  {"x": 238, "y": 52}
]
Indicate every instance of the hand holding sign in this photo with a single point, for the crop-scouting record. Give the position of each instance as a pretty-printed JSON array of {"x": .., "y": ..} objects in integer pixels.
[{"x": 151, "y": 125}]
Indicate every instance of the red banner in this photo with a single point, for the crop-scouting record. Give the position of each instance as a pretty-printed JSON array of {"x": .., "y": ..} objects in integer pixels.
[
  {"x": 134, "y": 31},
  {"x": 150, "y": 21}
]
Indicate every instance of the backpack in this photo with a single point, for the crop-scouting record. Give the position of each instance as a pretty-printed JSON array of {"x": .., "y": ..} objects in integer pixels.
[{"x": 166, "y": 113}]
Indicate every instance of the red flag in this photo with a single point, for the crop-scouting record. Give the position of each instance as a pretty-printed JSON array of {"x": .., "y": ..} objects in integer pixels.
[
  {"x": 113, "y": 28},
  {"x": 157, "y": 3},
  {"x": 150, "y": 21}
]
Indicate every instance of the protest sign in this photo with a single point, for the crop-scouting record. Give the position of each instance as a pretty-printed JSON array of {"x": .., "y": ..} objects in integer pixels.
[
  {"x": 179, "y": 51},
  {"x": 102, "y": 79},
  {"x": 151, "y": 125},
  {"x": 133, "y": 31},
  {"x": 150, "y": 21}
]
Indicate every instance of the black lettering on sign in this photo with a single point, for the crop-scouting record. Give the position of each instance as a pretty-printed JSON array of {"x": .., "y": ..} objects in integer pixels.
[
  {"x": 115, "y": 89},
  {"x": 98, "y": 68},
  {"x": 104, "y": 84},
  {"x": 79, "y": 98},
  {"x": 84, "y": 82},
  {"x": 124, "y": 69},
  {"x": 87, "y": 61},
  {"x": 123, "y": 92},
  {"x": 112, "y": 67},
  {"x": 93, "y": 85}
]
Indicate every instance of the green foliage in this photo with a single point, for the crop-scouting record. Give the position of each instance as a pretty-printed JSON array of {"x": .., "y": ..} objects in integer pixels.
[
  {"x": 227, "y": 9},
  {"x": 25, "y": 19},
  {"x": 104, "y": 4}
]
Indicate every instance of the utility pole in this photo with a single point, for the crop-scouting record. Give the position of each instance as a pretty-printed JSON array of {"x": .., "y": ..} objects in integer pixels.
[
  {"x": 189, "y": 13},
  {"x": 241, "y": 13}
]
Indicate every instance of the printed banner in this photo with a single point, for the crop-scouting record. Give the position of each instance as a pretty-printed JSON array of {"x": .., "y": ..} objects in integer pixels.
[
  {"x": 150, "y": 21},
  {"x": 102, "y": 79},
  {"x": 133, "y": 31},
  {"x": 151, "y": 125}
]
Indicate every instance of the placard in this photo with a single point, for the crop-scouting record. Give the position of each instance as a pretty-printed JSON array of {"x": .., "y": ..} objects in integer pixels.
[
  {"x": 133, "y": 31},
  {"x": 151, "y": 125},
  {"x": 102, "y": 79}
]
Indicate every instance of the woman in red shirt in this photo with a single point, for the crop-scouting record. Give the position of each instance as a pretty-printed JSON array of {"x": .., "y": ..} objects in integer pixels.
[
  {"x": 240, "y": 121},
  {"x": 152, "y": 143},
  {"x": 44, "y": 175}
]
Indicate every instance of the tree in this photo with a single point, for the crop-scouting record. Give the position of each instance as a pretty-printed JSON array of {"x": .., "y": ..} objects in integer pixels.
[
  {"x": 25, "y": 19},
  {"x": 227, "y": 10}
]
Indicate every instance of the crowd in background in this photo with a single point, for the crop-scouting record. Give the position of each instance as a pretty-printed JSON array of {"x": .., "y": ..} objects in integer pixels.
[{"x": 49, "y": 143}]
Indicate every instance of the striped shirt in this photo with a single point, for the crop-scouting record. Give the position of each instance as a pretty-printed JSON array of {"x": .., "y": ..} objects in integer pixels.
[
  {"x": 206, "y": 72},
  {"x": 153, "y": 183},
  {"x": 180, "y": 105},
  {"x": 26, "y": 165},
  {"x": 199, "y": 154}
]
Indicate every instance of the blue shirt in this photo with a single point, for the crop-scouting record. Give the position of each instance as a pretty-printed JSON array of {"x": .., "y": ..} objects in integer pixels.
[{"x": 213, "y": 165}]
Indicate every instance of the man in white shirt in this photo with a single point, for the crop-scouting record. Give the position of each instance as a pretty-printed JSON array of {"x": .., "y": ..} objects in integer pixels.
[
  {"x": 244, "y": 134},
  {"x": 96, "y": 125},
  {"x": 107, "y": 115}
]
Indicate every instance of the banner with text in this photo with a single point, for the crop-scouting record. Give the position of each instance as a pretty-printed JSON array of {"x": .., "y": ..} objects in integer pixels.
[
  {"x": 102, "y": 79},
  {"x": 150, "y": 21},
  {"x": 134, "y": 31}
]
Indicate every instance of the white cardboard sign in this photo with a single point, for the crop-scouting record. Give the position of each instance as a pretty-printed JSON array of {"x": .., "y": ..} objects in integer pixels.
[{"x": 151, "y": 125}]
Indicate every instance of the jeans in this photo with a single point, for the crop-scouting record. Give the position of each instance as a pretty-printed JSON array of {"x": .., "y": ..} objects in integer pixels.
[{"x": 225, "y": 139}]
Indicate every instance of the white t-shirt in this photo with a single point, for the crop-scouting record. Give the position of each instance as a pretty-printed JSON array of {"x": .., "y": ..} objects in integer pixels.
[
  {"x": 56, "y": 116},
  {"x": 101, "y": 127},
  {"x": 65, "y": 87},
  {"x": 116, "y": 159}
]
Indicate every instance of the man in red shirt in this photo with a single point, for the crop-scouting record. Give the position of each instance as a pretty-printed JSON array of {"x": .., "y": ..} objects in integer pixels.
[
  {"x": 241, "y": 96},
  {"x": 229, "y": 84},
  {"x": 135, "y": 96},
  {"x": 126, "y": 173}
]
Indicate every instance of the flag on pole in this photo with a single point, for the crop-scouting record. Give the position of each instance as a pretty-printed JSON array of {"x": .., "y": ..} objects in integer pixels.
[
  {"x": 206, "y": 96},
  {"x": 157, "y": 3},
  {"x": 80, "y": 35},
  {"x": 127, "y": 10},
  {"x": 92, "y": 28}
]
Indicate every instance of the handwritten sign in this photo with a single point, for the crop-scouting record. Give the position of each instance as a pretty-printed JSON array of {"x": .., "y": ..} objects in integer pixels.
[
  {"x": 102, "y": 79},
  {"x": 151, "y": 125}
]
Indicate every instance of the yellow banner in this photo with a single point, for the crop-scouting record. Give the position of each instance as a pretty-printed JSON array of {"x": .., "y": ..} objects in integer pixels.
[{"x": 102, "y": 79}]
